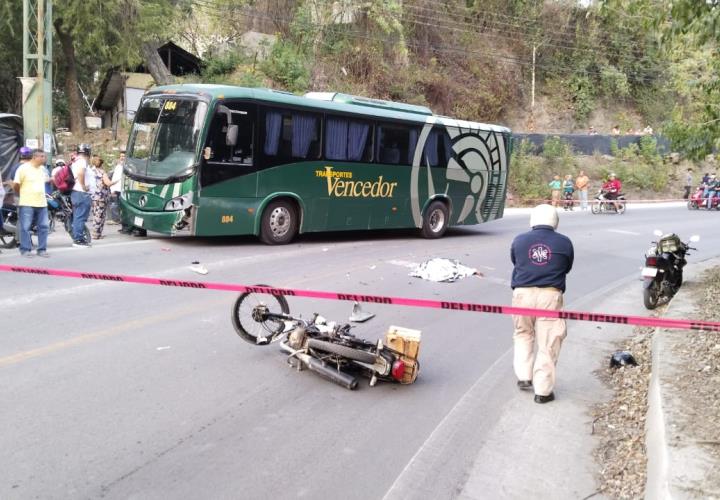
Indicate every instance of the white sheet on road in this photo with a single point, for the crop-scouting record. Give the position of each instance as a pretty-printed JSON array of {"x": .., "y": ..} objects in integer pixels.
[{"x": 442, "y": 270}]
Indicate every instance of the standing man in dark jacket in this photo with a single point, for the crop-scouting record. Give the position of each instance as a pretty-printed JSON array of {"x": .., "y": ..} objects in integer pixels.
[{"x": 542, "y": 258}]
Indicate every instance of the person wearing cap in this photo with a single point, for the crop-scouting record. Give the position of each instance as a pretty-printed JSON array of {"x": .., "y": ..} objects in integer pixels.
[
  {"x": 612, "y": 189},
  {"x": 542, "y": 258},
  {"x": 29, "y": 182}
]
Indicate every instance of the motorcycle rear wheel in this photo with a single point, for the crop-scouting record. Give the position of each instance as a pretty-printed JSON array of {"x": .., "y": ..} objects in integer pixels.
[
  {"x": 651, "y": 296},
  {"x": 341, "y": 350},
  {"x": 595, "y": 207},
  {"x": 621, "y": 207},
  {"x": 251, "y": 330}
]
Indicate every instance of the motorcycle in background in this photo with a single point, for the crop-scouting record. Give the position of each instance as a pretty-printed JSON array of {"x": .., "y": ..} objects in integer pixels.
[
  {"x": 59, "y": 210},
  {"x": 663, "y": 271},
  {"x": 326, "y": 347},
  {"x": 698, "y": 201},
  {"x": 606, "y": 206}
]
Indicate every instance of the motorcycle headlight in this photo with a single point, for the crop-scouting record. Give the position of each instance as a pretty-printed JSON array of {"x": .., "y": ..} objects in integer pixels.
[{"x": 179, "y": 202}]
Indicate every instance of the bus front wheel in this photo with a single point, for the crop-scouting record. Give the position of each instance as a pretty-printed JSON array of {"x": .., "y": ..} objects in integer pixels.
[
  {"x": 435, "y": 220},
  {"x": 279, "y": 223}
]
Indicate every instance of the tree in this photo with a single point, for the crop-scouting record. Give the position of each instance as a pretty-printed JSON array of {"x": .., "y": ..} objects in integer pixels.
[
  {"x": 695, "y": 127},
  {"x": 10, "y": 56}
]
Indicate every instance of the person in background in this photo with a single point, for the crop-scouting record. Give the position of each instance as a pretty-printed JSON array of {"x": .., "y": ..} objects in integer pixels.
[
  {"x": 711, "y": 188},
  {"x": 568, "y": 190},
  {"x": 25, "y": 156},
  {"x": 29, "y": 182},
  {"x": 81, "y": 196},
  {"x": 612, "y": 189},
  {"x": 542, "y": 258},
  {"x": 615, "y": 130},
  {"x": 688, "y": 183},
  {"x": 555, "y": 189},
  {"x": 648, "y": 130},
  {"x": 582, "y": 182},
  {"x": 592, "y": 131},
  {"x": 99, "y": 197},
  {"x": 705, "y": 179},
  {"x": 116, "y": 189}
]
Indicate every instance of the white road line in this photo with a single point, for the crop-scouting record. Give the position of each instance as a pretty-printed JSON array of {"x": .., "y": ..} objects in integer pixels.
[{"x": 622, "y": 231}]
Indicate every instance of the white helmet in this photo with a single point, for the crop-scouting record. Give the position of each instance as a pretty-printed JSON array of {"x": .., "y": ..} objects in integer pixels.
[{"x": 544, "y": 215}]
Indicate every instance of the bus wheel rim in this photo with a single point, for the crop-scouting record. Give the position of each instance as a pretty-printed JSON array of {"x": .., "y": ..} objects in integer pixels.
[
  {"x": 280, "y": 221},
  {"x": 437, "y": 220}
]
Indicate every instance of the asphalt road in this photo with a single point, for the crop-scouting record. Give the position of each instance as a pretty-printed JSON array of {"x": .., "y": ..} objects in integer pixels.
[{"x": 130, "y": 391}]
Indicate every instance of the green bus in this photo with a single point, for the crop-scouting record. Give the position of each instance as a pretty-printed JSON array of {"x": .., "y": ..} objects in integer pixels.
[{"x": 213, "y": 160}]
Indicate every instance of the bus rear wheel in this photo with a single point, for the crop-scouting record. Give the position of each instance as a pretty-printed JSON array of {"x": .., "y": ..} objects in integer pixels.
[
  {"x": 279, "y": 223},
  {"x": 435, "y": 220}
]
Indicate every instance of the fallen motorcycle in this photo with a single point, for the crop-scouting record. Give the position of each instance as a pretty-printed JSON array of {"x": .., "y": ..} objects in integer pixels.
[
  {"x": 326, "y": 347},
  {"x": 603, "y": 205},
  {"x": 663, "y": 271}
]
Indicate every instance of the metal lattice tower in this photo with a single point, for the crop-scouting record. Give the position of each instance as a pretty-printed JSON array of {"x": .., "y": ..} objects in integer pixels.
[{"x": 37, "y": 73}]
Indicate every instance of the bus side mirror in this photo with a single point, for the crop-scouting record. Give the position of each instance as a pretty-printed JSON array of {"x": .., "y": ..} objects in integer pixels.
[{"x": 231, "y": 135}]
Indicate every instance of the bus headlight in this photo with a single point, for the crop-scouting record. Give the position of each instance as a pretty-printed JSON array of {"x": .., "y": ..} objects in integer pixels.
[{"x": 179, "y": 202}]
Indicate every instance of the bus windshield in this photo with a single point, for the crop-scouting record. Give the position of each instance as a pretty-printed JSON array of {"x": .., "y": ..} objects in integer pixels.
[{"x": 164, "y": 137}]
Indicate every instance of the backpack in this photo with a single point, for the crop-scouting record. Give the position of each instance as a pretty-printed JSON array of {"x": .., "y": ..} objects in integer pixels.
[{"x": 64, "y": 179}]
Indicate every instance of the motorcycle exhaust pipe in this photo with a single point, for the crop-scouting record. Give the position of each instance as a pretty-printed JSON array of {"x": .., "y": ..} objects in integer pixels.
[{"x": 327, "y": 372}]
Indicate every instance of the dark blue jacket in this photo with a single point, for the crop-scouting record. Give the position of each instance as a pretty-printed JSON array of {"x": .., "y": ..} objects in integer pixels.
[{"x": 542, "y": 258}]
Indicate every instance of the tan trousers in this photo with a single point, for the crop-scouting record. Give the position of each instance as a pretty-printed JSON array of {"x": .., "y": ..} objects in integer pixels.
[{"x": 547, "y": 333}]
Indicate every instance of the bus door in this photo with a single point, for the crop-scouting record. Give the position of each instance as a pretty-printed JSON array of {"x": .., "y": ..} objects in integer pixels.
[{"x": 228, "y": 173}]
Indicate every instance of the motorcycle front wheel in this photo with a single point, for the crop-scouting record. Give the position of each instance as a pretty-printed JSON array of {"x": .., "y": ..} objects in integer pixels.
[
  {"x": 651, "y": 296},
  {"x": 692, "y": 205},
  {"x": 246, "y": 317}
]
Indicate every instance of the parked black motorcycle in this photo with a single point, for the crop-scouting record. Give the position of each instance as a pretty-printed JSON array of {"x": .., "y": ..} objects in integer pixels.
[
  {"x": 663, "y": 271},
  {"x": 603, "y": 205},
  {"x": 59, "y": 210},
  {"x": 325, "y": 347}
]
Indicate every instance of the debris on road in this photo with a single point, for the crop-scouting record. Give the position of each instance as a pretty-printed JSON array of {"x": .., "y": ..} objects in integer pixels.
[
  {"x": 196, "y": 267},
  {"x": 622, "y": 358},
  {"x": 358, "y": 315},
  {"x": 442, "y": 270}
]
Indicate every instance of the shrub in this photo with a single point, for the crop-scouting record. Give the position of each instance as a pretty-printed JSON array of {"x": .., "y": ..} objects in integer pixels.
[
  {"x": 287, "y": 66},
  {"x": 527, "y": 178},
  {"x": 220, "y": 65}
]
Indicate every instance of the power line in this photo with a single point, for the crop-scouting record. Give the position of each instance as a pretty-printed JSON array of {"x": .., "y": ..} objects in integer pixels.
[{"x": 206, "y": 8}]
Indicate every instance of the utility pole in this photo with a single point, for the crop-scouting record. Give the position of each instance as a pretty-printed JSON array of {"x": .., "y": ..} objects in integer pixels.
[{"x": 37, "y": 74}]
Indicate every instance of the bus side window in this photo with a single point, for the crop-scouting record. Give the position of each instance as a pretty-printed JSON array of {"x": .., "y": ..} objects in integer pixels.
[
  {"x": 438, "y": 148},
  {"x": 290, "y": 135},
  {"x": 347, "y": 140},
  {"x": 229, "y": 114},
  {"x": 396, "y": 144}
]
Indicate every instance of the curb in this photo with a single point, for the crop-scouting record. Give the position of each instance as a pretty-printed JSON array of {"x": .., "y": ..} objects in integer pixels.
[{"x": 668, "y": 472}]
